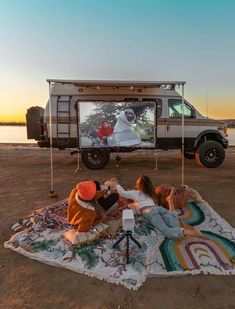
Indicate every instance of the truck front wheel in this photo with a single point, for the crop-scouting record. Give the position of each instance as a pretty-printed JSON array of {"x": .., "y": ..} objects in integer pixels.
[
  {"x": 210, "y": 154},
  {"x": 95, "y": 159}
]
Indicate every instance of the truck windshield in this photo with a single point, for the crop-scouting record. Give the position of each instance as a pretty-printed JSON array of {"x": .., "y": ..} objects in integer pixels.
[{"x": 175, "y": 109}]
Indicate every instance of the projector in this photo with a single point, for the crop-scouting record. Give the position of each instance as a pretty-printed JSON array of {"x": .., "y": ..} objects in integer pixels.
[
  {"x": 128, "y": 220},
  {"x": 128, "y": 223}
]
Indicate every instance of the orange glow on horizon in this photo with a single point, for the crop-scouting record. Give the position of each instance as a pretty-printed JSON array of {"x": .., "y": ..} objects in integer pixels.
[
  {"x": 15, "y": 114},
  {"x": 18, "y": 93},
  {"x": 218, "y": 106},
  {"x": 14, "y": 104}
]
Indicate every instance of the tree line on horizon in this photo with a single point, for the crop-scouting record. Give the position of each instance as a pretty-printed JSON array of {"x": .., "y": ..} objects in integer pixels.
[{"x": 12, "y": 123}]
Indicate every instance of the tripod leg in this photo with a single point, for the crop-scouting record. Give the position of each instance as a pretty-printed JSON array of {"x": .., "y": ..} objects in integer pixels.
[
  {"x": 127, "y": 249},
  {"x": 135, "y": 241},
  {"x": 118, "y": 241}
]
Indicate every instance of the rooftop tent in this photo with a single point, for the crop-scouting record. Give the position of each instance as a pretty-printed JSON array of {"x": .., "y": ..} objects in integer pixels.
[{"x": 120, "y": 84}]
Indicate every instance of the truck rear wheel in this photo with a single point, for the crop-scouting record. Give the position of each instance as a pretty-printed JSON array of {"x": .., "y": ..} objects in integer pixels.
[
  {"x": 95, "y": 159},
  {"x": 210, "y": 154}
]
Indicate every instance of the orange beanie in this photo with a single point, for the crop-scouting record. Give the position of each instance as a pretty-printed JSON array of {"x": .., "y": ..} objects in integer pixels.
[{"x": 86, "y": 190}]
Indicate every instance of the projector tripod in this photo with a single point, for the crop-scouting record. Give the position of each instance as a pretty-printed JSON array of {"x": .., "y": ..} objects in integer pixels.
[{"x": 128, "y": 235}]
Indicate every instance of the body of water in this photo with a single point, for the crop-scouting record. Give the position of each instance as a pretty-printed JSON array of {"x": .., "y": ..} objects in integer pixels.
[
  {"x": 14, "y": 134},
  {"x": 18, "y": 134}
]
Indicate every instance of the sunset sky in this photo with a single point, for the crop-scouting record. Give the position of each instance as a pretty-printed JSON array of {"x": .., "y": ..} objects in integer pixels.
[{"x": 123, "y": 39}]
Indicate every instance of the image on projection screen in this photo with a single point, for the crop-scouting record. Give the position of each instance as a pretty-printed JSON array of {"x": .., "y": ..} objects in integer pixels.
[{"x": 117, "y": 124}]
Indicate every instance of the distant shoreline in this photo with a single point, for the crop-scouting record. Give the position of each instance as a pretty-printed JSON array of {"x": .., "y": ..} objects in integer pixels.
[{"x": 14, "y": 124}]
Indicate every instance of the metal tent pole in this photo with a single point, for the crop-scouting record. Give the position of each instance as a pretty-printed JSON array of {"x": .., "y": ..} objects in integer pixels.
[
  {"x": 156, "y": 161},
  {"x": 182, "y": 127},
  {"x": 52, "y": 192},
  {"x": 78, "y": 169},
  {"x": 155, "y": 135}
]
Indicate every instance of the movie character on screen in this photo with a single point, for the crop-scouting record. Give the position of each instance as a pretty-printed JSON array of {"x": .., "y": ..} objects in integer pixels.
[
  {"x": 95, "y": 141},
  {"x": 104, "y": 131},
  {"x": 124, "y": 134},
  {"x": 125, "y": 121}
]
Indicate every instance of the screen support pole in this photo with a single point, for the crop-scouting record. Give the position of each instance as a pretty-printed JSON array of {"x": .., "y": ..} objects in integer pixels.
[
  {"x": 78, "y": 169},
  {"x": 182, "y": 127},
  {"x": 156, "y": 161},
  {"x": 155, "y": 136},
  {"x": 52, "y": 192}
]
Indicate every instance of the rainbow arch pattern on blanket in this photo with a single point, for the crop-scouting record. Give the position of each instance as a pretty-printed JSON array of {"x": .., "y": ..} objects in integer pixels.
[
  {"x": 197, "y": 253},
  {"x": 192, "y": 214}
]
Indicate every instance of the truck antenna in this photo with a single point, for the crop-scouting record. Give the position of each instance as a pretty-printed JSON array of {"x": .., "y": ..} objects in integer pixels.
[{"x": 206, "y": 104}]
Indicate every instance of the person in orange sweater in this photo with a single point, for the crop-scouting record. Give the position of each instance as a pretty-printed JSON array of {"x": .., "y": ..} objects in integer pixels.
[{"x": 86, "y": 205}]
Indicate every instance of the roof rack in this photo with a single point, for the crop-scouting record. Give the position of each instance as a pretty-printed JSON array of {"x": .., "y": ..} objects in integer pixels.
[{"x": 117, "y": 83}]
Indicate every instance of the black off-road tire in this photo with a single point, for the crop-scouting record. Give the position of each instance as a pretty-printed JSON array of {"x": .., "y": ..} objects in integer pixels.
[
  {"x": 95, "y": 159},
  {"x": 210, "y": 154}
]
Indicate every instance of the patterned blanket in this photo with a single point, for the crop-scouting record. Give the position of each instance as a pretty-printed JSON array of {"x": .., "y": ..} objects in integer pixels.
[
  {"x": 214, "y": 254},
  {"x": 158, "y": 256}
]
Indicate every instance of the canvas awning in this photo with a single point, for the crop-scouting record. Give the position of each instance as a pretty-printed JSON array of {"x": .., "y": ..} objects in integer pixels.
[{"x": 116, "y": 83}]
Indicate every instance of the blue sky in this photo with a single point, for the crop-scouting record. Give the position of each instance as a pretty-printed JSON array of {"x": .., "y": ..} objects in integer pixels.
[{"x": 107, "y": 39}]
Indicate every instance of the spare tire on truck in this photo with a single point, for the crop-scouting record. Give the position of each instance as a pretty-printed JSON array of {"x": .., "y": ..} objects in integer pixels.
[
  {"x": 210, "y": 154},
  {"x": 95, "y": 159}
]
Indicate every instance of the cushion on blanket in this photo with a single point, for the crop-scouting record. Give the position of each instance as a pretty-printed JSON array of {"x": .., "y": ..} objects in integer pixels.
[
  {"x": 81, "y": 238},
  {"x": 181, "y": 196},
  {"x": 195, "y": 195}
]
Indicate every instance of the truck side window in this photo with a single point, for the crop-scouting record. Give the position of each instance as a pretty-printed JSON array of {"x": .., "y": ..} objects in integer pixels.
[
  {"x": 158, "y": 105},
  {"x": 175, "y": 109}
]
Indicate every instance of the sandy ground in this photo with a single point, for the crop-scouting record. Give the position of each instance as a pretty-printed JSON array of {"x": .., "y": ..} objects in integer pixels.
[{"x": 24, "y": 187}]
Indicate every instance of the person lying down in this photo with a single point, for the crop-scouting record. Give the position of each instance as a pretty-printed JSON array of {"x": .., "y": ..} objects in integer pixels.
[{"x": 145, "y": 201}]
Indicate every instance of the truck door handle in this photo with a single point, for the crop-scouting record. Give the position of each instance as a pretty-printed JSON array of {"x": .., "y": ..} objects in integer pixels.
[{"x": 168, "y": 127}]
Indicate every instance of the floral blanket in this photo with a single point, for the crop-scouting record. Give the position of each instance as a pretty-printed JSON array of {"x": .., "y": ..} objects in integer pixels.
[
  {"x": 158, "y": 256},
  {"x": 44, "y": 241}
]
